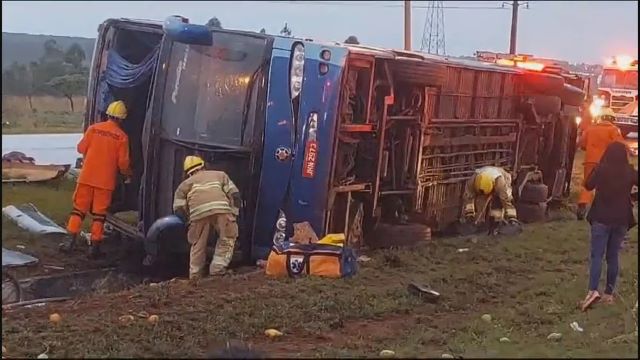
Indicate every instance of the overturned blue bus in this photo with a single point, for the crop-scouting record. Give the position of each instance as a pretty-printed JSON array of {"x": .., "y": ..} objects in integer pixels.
[{"x": 346, "y": 138}]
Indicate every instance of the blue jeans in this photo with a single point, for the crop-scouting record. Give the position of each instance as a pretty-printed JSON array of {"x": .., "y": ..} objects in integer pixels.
[{"x": 605, "y": 240}]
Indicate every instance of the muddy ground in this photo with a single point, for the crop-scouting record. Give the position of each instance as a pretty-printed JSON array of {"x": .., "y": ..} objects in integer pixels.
[{"x": 529, "y": 284}]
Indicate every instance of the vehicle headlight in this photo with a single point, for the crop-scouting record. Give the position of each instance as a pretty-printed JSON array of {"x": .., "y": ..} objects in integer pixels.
[
  {"x": 297, "y": 70},
  {"x": 278, "y": 238},
  {"x": 578, "y": 120},
  {"x": 280, "y": 234}
]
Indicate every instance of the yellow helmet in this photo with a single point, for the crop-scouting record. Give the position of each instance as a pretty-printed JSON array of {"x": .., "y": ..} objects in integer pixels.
[
  {"x": 192, "y": 163},
  {"x": 606, "y": 114},
  {"x": 484, "y": 183},
  {"x": 117, "y": 109}
]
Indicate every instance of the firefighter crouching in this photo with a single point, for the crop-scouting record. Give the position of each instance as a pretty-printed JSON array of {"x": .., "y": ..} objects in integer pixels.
[
  {"x": 487, "y": 183},
  {"x": 594, "y": 141},
  {"x": 105, "y": 150},
  {"x": 209, "y": 200}
]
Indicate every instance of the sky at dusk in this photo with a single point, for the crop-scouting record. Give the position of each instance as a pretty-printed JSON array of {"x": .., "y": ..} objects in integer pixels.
[{"x": 577, "y": 31}]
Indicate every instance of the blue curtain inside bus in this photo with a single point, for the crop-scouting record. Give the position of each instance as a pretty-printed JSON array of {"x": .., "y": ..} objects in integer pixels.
[{"x": 122, "y": 74}]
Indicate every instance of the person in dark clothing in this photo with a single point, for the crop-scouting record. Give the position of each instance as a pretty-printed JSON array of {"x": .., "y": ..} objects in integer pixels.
[{"x": 611, "y": 216}]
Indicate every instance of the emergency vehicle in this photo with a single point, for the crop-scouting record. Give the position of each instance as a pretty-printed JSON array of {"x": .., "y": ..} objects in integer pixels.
[{"x": 618, "y": 89}]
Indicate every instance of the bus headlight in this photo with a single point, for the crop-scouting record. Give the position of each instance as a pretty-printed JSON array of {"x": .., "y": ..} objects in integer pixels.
[
  {"x": 297, "y": 70},
  {"x": 281, "y": 229}
]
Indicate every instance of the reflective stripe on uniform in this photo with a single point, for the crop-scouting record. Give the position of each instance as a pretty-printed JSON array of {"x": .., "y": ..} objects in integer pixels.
[
  {"x": 222, "y": 206},
  {"x": 230, "y": 188},
  {"x": 178, "y": 203},
  {"x": 207, "y": 185}
]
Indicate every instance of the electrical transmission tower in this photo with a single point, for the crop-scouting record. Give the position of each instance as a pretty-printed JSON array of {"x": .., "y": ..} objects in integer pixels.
[{"x": 433, "y": 33}]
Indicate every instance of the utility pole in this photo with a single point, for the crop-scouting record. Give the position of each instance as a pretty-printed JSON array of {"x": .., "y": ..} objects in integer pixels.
[
  {"x": 407, "y": 25},
  {"x": 514, "y": 27},
  {"x": 514, "y": 24}
]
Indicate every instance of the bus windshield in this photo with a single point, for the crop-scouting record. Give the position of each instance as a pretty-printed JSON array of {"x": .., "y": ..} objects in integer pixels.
[
  {"x": 210, "y": 91},
  {"x": 619, "y": 79}
]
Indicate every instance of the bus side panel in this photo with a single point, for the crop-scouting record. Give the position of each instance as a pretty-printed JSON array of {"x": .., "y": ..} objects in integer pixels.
[
  {"x": 320, "y": 94},
  {"x": 275, "y": 173}
]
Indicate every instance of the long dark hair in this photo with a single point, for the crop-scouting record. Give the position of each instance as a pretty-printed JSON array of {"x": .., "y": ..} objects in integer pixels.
[{"x": 615, "y": 161}]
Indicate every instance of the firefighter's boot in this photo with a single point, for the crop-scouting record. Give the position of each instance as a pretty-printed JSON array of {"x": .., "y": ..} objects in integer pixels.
[
  {"x": 581, "y": 212},
  {"x": 69, "y": 245},
  {"x": 95, "y": 252}
]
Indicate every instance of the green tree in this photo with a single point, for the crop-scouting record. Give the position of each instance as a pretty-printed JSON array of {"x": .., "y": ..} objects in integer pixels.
[
  {"x": 52, "y": 52},
  {"x": 263, "y": 31},
  {"x": 68, "y": 86},
  {"x": 352, "y": 39},
  {"x": 214, "y": 23},
  {"x": 18, "y": 80},
  {"x": 75, "y": 55}
]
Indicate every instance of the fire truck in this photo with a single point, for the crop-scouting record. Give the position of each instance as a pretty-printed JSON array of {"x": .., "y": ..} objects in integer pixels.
[{"x": 618, "y": 89}]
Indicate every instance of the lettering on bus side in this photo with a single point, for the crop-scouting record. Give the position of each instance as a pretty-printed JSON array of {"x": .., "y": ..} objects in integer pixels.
[{"x": 310, "y": 159}]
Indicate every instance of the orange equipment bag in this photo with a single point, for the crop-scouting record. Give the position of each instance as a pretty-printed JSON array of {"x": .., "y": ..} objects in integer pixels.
[{"x": 295, "y": 260}]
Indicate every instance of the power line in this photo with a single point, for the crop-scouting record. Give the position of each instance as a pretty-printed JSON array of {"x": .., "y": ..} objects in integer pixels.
[{"x": 369, "y": 4}]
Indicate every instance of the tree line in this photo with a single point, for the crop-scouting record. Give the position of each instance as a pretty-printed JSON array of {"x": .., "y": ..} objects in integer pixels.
[{"x": 58, "y": 72}]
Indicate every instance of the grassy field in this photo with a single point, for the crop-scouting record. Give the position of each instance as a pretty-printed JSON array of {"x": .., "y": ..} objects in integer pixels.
[
  {"x": 529, "y": 284},
  {"x": 47, "y": 114},
  {"x": 49, "y": 122}
]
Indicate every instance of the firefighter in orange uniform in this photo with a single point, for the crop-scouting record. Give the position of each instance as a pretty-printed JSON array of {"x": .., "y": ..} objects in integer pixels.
[
  {"x": 105, "y": 149},
  {"x": 594, "y": 140}
]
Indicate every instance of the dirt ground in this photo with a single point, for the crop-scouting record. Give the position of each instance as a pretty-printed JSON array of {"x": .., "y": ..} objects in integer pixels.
[{"x": 529, "y": 284}]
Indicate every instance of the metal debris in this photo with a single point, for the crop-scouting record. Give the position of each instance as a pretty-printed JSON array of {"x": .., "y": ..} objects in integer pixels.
[
  {"x": 27, "y": 217},
  {"x": 463, "y": 250},
  {"x": 12, "y": 258}
]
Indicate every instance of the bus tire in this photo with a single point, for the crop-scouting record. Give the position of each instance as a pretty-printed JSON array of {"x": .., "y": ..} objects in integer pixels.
[
  {"x": 531, "y": 212},
  {"x": 534, "y": 193},
  {"x": 547, "y": 105},
  {"x": 572, "y": 95}
]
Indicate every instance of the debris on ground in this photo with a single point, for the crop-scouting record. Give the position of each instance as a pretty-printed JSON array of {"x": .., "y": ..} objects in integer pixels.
[
  {"x": 272, "y": 333},
  {"x": 576, "y": 327},
  {"x": 387, "y": 354},
  {"x": 447, "y": 356},
  {"x": 18, "y": 157},
  {"x": 12, "y": 258},
  {"x": 55, "y": 318},
  {"x": 27, "y": 217},
  {"x": 554, "y": 336},
  {"x": 486, "y": 318},
  {"x": 364, "y": 258},
  {"x": 153, "y": 319},
  {"x": 505, "y": 340},
  {"x": 463, "y": 250},
  {"x": 424, "y": 292},
  {"x": 126, "y": 319},
  {"x": 303, "y": 233}
]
